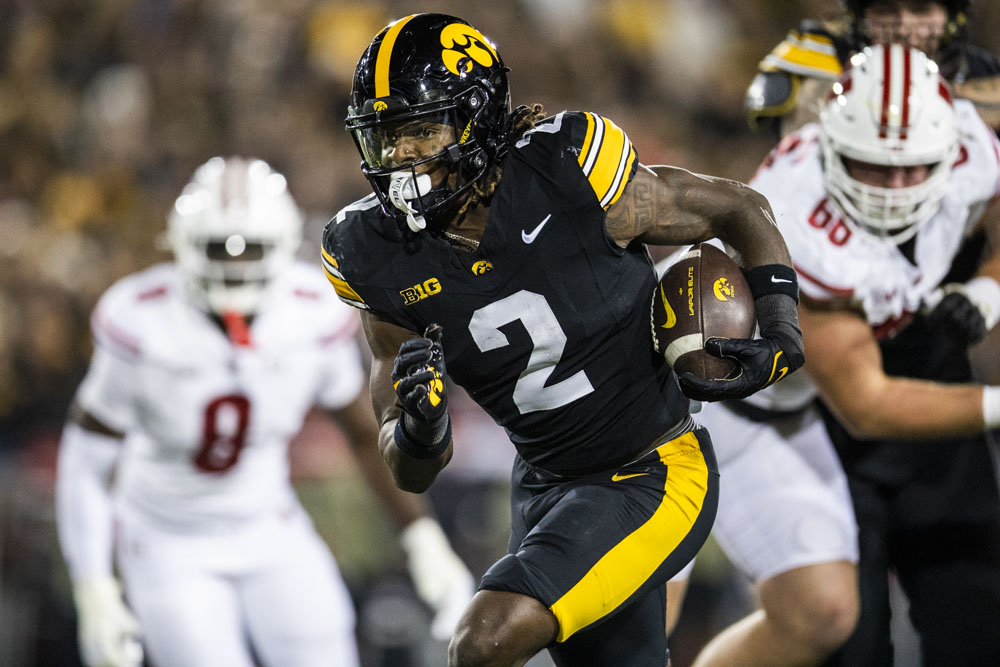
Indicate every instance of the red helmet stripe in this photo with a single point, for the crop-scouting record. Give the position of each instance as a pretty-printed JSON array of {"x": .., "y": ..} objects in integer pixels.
[
  {"x": 886, "y": 84},
  {"x": 905, "y": 123}
]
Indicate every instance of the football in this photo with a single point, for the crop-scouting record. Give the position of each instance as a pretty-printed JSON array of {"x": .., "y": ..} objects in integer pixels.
[{"x": 701, "y": 295}]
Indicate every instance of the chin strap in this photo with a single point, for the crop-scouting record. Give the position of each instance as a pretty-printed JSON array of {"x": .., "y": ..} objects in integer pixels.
[{"x": 403, "y": 188}]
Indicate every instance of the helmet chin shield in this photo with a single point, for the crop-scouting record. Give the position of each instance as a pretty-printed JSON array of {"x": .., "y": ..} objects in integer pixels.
[
  {"x": 891, "y": 108},
  {"x": 232, "y": 230},
  {"x": 430, "y": 98}
]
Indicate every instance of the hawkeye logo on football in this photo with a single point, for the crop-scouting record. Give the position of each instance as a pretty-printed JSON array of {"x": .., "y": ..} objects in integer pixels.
[
  {"x": 724, "y": 290},
  {"x": 463, "y": 44},
  {"x": 420, "y": 291}
]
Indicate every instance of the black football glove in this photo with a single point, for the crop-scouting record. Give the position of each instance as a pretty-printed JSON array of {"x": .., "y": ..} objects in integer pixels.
[
  {"x": 956, "y": 315},
  {"x": 761, "y": 361},
  {"x": 418, "y": 376}
]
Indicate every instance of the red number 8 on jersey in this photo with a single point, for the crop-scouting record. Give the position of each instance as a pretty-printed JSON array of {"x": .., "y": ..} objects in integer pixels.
[{"x": 224, "y": 433}]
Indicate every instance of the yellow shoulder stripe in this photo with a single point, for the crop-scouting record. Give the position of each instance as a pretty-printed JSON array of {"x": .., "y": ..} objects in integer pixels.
[
  {"x": 606, "y": 158},
  {"x": 344, "y": 291}
]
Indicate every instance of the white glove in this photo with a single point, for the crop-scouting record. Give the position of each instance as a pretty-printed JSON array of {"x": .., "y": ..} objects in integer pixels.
[
  {"x": 440, "y": 577},
  {"x": 108, "y": 632}
]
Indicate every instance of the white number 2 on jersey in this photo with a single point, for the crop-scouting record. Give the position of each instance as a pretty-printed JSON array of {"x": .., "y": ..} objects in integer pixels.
[{"x": 534, "y": 312}]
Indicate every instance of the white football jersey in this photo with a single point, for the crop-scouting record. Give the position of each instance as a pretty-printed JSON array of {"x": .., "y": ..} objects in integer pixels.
[
  {"x": 838, "y": 262},
  {"x": 208, "y": 422}
]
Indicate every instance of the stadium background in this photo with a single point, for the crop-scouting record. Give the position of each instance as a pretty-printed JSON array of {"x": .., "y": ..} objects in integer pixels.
[{"x": 106, "y": 108}]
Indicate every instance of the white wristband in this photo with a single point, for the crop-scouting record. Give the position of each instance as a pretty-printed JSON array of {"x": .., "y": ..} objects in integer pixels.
[{"x": 991, "y": 407}]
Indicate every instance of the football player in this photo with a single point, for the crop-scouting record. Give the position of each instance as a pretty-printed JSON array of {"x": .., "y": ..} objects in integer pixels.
[
  {"x": 874, "y": 202},
  {"x": 794, "y": 78},
  {"x": 203, "y": 371},
  {"x": 509, "y": 248}
]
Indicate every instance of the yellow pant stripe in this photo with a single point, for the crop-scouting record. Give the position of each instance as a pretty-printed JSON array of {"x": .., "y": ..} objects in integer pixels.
[{"x": 621, "y": 571}]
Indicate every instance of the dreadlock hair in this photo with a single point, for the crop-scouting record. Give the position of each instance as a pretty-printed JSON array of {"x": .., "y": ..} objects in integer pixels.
[{"x": 522, "y": 119}]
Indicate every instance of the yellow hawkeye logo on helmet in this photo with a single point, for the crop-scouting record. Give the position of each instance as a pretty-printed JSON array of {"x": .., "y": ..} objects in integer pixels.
[
  {"x": 380, "y": 106},
  {"x": 724, "y": 290},
  {"x": 462, "y": 44}
]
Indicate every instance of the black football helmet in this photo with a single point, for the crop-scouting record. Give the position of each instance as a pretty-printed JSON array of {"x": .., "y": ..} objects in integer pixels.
[{"x": 427, "y": 71}]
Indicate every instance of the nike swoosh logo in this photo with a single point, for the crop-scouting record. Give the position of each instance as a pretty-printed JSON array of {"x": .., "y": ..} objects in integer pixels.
[
  {"x": 671, "y": 318},
  {"x": 530, "y": 238},
  {"x": 776, "y": 279},
  {"x": 617, "y": 477},
  {"x": 774, "y": 369}
]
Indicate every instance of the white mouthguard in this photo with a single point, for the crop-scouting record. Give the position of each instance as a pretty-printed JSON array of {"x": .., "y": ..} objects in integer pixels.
[{"x": 403, "y": 188}]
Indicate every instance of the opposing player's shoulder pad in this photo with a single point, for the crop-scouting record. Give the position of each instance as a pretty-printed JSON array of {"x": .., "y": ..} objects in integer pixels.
[
  {"x": 809, "y": 50},
  {"x": 583, "y": 143},
  {"x": 978, "y": 163},
  {"x": 117, "y": 320},
  {"x": 308, "y": 298},
  {"x": 337, "y": 247}
]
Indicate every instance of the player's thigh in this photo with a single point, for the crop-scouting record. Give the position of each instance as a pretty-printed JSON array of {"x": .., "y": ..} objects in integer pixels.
[
  {"x": 784, "y": 500},
  {"x": 189, "y": 617},
  {"x": 298, "y": 609},
  {"x": 595, "y": 545}
]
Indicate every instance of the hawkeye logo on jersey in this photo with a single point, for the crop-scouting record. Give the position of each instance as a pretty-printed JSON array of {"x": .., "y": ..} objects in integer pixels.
[
  {"x": 420, "y": 291},
  {"x": 481, "y": 267},
  {"x": 723, "y": 289},
  {"x": 463, "y": 44}
]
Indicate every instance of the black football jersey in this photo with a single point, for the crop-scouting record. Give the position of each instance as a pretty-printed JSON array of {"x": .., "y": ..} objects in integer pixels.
[{"x": 547, "y": 324}]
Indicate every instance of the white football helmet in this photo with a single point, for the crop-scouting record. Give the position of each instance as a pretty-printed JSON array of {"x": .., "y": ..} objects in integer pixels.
[
  {"x": 232, "y": 229},
  {"x": 891, "y": 107}
]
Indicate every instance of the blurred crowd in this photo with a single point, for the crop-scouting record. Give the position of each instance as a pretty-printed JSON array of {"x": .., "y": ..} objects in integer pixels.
[{"x": 106, "y": 108}]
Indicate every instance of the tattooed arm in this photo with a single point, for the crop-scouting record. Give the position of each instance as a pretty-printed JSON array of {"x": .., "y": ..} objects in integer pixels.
[{"x": 671, "y": 206}]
